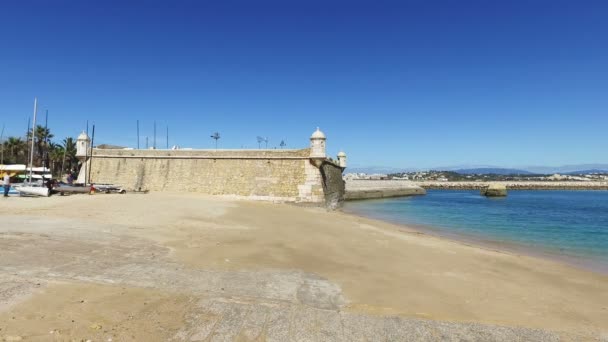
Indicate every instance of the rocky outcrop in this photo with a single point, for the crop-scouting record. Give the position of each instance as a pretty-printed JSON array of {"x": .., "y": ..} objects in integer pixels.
[
  {"x": 333, "y": 184},
  {"x": 495, "y": 190}
]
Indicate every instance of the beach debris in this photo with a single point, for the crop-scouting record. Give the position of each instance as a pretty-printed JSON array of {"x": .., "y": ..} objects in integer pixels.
[
  {"x": 494, "y": 190},
  {"x": 95, "y": 326},
  {"x": 12, "y": 338}
]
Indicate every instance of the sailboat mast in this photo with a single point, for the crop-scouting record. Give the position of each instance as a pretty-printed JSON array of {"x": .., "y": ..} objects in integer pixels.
[
  {"x": 91, "y": 157},
  {"x": 33, "y": 138},
  {"x": 27, "y": 146},
  {"x": 46, "y": 143}
]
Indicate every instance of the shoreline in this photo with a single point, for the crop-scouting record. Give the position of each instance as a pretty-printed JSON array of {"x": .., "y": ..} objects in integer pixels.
[{"x": 507, "y": 247}]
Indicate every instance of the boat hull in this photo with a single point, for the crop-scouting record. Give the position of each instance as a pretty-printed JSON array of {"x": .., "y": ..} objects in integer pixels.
[{"x": 33, "y": 191}]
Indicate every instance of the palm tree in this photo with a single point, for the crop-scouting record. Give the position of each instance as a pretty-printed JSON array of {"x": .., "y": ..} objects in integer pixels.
[
  {"x": 16, "y": 148},
  {"x": 56, "y": 155},
  {"x": 42, "y": 136},
  {"x": 69, "y": 146}
]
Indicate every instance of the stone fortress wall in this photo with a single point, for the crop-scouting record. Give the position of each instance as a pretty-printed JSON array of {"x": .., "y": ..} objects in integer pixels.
[{"x": 304, "y": 175}]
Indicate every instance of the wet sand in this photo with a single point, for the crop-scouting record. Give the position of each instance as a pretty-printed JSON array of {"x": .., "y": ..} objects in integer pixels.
[
  {"x": 159, "y": 264},
  {"x": 496, "y": 245}
]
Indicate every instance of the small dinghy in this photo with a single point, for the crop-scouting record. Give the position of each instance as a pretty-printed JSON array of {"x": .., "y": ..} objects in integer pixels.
[
  {"x": 32, "y": 190},
  {"x": 63, "y": 188}
]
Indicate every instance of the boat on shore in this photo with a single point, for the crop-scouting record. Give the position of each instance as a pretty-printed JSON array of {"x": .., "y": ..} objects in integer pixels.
[
  {"x": 32, "y": 189},
  {"x": 33, "y": 184}
]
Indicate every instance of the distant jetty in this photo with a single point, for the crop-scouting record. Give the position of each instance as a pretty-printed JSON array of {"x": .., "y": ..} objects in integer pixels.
[
  {"x": 516, "y": 185},
  {"x": 370, "y": 189}
]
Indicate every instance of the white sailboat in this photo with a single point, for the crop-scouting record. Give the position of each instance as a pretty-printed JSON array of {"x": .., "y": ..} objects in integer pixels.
[{"x": 33, "y": 188}]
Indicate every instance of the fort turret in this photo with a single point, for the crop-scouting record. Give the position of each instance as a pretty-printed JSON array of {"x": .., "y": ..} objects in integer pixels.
[
  {"x": 342, "y": 159},
  {"x": 82, "y": 145},
  {"x": 317, "y": 144}
]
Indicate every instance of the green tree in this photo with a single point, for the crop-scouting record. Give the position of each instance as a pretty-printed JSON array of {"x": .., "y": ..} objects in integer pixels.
[
  {"x": 56, "y": 156},
  {"x": 14, "y": 150},
  {"x": 69, "y": 145},
  {"x": 42, "y": 137}
]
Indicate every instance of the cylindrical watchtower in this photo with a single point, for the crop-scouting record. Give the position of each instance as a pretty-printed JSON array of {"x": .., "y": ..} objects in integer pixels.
[
  {"x": 342, "y": 159},
  {"x": 317, "y": 144},
  {"x": 82, "y": 145}
]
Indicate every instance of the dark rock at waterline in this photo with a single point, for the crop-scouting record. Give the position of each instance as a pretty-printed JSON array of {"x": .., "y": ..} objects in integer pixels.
[{"x": 494, "y": 190}]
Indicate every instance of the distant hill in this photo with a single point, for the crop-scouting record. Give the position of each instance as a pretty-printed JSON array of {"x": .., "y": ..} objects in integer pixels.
[
  {"x": 488, "y": 169},
  {"x": 566, "y": 168},
  {"x": 377, "y": 169},
  {"x": 586, "y": 172},
  {"x": 493, "y": 170}
]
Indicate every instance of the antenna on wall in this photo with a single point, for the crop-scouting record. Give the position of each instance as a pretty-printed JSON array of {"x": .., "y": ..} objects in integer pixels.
[
  {"x": 262, "y": 140},
  {"x": 138, "y": 134},
  {"x": 167, "y": 137},
  {"x": 215, "y": 136},
  {"x": 154, "y": 141}
]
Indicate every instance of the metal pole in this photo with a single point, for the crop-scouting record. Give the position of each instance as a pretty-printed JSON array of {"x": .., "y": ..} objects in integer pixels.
[
  {"x": 138, "y": 134},
  {"x": 91, "y": 159},
  {"x": 33, "y": 132},
  {"x": 27, "y": 134},
  {"x": 167, "y": 137},
  {"x": 154, "y": 144},
  {"x": 45, "y": 153},
  {"x": 86, "y": 157}
]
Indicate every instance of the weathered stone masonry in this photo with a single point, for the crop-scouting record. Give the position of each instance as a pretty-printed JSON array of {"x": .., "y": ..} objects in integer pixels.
[{"x": 304, "y": 175}]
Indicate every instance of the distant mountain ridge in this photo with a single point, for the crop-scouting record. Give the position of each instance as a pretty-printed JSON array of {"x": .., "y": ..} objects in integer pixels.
[
  {"x": 586, "y": 172},
  {"x": 485, "y": 169},
  {"x": 494, "y": 171},
  {"x": 566, "y": 168}
]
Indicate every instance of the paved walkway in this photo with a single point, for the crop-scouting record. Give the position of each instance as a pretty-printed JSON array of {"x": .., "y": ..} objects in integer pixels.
[{"x": 224, "y": 320}]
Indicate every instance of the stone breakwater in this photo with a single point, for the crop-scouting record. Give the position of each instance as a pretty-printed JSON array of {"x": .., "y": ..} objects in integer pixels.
[
  {"x": 516, "y": 185},
  {"x": 368, "y": 189}
]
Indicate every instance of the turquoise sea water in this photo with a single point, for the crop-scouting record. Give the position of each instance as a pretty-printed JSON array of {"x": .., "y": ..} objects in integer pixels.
[{"x": 569, "y": 224}]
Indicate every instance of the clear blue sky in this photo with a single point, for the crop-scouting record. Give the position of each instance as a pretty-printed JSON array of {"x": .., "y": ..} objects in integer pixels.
[{"x": 403, "y": 83}]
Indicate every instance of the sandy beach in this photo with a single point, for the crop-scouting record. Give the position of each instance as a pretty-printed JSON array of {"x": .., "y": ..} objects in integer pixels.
[{"x": 188, "y": 267}]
